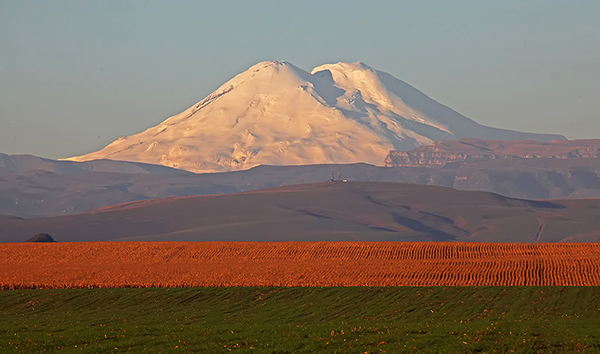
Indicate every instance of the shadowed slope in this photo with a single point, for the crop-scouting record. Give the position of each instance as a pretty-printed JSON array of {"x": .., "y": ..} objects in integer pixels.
[
  {"x": 325, "y": 212},
  {"x": 37, "y": 193}
]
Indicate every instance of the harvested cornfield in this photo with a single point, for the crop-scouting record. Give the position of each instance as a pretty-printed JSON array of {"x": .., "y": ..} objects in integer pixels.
[{"x": 190, "y": 264}]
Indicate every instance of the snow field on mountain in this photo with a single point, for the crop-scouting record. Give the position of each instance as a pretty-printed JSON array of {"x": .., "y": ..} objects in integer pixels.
[{"x": 278, "y": 114}]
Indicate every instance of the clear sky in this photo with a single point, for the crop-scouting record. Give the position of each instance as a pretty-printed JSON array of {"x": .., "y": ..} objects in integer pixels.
[{"x": 75, "y": 75}]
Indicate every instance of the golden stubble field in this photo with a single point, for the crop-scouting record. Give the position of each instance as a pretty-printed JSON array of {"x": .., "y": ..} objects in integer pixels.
[{"x": 192, "y": 264}]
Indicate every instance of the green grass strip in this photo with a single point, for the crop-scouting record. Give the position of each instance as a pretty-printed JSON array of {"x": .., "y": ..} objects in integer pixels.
[{"x": 303, "y": 320}]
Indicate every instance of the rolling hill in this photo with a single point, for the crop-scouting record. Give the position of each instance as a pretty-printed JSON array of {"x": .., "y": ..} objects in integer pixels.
[
  {"x": 35, "y": 187},
  {"x": 331, "y": 211}
]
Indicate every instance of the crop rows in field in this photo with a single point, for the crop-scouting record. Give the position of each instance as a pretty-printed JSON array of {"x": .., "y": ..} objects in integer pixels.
[{"x": 189, "y": 264}]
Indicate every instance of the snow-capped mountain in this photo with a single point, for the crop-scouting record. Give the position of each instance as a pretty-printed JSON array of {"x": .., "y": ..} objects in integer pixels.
[{"x": 276, "y": 113}]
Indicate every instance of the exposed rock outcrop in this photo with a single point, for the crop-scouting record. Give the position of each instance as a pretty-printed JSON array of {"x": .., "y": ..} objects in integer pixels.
[{"x": 444, "y": 152}]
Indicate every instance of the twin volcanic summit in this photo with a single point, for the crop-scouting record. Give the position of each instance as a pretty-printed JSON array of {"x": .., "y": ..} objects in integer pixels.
[{"x": 278, "y": 114}]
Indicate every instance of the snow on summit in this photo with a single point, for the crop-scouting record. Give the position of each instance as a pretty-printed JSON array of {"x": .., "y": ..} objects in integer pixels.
[{"x": 278, "y": 114}]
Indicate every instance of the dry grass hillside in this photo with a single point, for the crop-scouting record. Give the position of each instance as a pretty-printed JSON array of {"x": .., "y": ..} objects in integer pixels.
[{"x": 331, "y": 211}]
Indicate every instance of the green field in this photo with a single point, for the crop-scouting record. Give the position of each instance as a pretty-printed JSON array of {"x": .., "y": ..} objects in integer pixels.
[{"x": 303, "y": 320}]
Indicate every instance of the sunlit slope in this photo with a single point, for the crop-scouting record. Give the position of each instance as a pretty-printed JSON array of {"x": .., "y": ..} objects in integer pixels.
[{"x": 276, "y": 113}]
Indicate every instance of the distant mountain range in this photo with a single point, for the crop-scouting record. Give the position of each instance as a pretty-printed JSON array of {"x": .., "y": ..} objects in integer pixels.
[
  {"x": 278, "y": 114},
  {"x": 24, "y": 164},
  {"x": 34, "y": 187},
  {"x": 31, "y": 186},
  {"x": 327, "y": 211}
]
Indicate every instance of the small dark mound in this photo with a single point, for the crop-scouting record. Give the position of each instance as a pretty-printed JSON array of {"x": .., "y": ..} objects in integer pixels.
[{"x": 41, "y": 238}]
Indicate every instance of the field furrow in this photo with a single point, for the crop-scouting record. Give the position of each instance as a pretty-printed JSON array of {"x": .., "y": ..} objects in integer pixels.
[{"x": 192, "y": 264}]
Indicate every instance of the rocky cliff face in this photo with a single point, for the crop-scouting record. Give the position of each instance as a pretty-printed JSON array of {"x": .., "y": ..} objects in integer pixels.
[{"x": 441, "y": 153}]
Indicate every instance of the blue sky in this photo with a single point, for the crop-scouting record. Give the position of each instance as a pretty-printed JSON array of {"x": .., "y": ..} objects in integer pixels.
[{"x": 75, "y": 75}]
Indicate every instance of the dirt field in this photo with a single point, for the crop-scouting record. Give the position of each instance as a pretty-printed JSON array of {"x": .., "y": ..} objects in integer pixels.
[{"x": 188, "y": 264}]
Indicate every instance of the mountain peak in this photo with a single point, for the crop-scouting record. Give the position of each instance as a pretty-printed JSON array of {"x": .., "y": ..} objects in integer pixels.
[
  {"x": 271, "y": 64},
  {"x": 343, "y": 67},
  {"x": 276, "y": 113}
]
